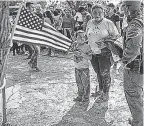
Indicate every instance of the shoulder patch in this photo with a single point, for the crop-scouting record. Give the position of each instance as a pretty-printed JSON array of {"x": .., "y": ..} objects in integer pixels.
[{"x": 134, "y": 29}]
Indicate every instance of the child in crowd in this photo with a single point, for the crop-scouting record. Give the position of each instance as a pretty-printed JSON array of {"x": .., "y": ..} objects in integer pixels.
[{"x": 82, "y": 55}]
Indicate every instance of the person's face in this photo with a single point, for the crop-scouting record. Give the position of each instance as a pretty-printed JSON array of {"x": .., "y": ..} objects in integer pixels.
[
  {"x": 98, "y": 14},
  {"x": 31, "y": 7},
  {"x": 80, "y": 38},
  {"x": 51, "y": 9},
  {"x": 38, "y": 10},
  {"x": 67, "y": 12}
]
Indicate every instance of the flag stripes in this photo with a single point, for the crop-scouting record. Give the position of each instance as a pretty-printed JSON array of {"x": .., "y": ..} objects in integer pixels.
[
  {"x": 41, "y": 34},
  {"x": 37, "y": 37}
]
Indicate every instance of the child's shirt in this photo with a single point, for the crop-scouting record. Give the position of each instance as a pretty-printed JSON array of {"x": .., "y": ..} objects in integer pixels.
[{"x": 82, "y": 60}]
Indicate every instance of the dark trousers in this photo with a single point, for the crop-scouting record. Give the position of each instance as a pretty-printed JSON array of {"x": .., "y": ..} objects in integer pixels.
[
  {"x": 34, "y": 56},
  {"x": 83, "y": 82},
  {"x": 101, "y": 64},
  {"x": 133, "y": 88},
  {"x": 29, "y": 49}
]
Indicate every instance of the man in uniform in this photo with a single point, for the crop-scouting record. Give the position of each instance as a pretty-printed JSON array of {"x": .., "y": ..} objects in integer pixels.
[{"x": 133, "y": 63}]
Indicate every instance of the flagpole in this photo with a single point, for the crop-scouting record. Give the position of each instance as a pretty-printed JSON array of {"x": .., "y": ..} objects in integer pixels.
[
  {"x": 4, "y": 104},
  {"x": 4, "y": 59}
]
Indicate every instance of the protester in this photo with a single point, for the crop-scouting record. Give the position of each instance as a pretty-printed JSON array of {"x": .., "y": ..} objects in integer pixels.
[
  {"x": 98, "y": 30},
  {"x": 48, "y": 17},
  {"x": 82, "y": 53},
  {"x": 113, "y": 16},
  {"x": 33, "y": 49},
  {"x": 79, "y": 19},
  {"x": 89, "y": 8},
  {"x": 38, "y": 12},
  {"x": 57, "y": 20},
  {"x": 86, "y": 17},
  {"x": 133, "y": 63},
  {"x": 68, "y": 24}
]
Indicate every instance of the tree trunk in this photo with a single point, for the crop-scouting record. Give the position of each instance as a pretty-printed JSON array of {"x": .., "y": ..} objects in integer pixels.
[
  {"x": 4, "y": 49},
  {"x": 4, "y": 36}
]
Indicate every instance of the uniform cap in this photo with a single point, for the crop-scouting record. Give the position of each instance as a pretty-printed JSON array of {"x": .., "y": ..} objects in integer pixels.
[{"x": 133, "y": 4}]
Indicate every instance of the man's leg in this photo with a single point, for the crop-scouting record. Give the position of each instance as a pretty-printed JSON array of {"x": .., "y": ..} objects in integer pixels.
[
  {"x": 133, "y": 88},
  {"x": 30, "y": 50},
  {"x": 35, "y": 57}
]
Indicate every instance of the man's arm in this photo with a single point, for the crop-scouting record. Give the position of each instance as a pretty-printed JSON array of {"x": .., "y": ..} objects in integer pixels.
[{"x": 133, "y": 42}]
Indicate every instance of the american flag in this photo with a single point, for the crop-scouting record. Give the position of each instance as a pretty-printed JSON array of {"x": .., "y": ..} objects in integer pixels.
[{"x": 32, "y": 29}]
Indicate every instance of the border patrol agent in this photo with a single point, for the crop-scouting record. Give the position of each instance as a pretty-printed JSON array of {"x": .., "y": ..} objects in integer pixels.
[{"x": 132, "y": 59}]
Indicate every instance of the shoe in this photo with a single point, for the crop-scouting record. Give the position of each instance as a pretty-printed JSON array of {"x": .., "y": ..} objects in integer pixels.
[
  {"x": 77, "y": 99},
  {"x": 102, "y": 98}
]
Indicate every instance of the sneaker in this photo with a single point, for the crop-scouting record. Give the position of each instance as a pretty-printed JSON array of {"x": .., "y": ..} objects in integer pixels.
[{"x": 77, "y": 99}]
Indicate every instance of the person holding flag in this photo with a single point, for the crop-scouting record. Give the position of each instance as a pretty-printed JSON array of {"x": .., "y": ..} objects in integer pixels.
[
  {"x": 32, "y": 30},
  {"x": 33, "y": 49}
]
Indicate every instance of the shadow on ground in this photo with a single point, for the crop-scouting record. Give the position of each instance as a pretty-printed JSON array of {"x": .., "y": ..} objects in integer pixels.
[{"x": 78, "y": 115}]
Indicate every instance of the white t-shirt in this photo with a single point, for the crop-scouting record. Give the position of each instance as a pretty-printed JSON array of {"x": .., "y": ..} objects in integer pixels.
[
  {"x": 96, "y": 34},
  {"x": 78, "y": 16}
]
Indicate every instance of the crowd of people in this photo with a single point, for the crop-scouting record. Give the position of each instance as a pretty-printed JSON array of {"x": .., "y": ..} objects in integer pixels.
[{"x": 94, "y": 29}]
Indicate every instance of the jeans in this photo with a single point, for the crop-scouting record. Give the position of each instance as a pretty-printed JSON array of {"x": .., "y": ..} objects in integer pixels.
[
  {"x": 34, "y": 56},
  {"x": 101, "y": 64},
  {"x": 83, "y": 82}
]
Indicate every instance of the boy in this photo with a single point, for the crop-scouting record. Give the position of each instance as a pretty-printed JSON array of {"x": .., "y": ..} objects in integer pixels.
[{"x": 82, "y": 53}]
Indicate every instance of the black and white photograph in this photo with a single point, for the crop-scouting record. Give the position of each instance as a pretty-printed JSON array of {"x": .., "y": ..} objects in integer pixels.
[{"x": 71, "y": 62}]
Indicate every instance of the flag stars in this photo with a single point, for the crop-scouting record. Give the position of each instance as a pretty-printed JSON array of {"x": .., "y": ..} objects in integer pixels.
[{"x": 29, "y": 20}]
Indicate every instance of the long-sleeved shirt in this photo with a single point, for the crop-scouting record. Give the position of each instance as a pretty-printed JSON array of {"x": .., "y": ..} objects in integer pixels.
[{"x": 133, "y": 42}]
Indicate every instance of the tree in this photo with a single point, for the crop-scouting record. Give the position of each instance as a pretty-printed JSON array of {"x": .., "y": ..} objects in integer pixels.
[{"x": 4, "y": 49}]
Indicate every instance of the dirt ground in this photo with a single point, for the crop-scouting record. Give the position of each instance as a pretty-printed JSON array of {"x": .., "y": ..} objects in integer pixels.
[{"x": 46, "y": 98}]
